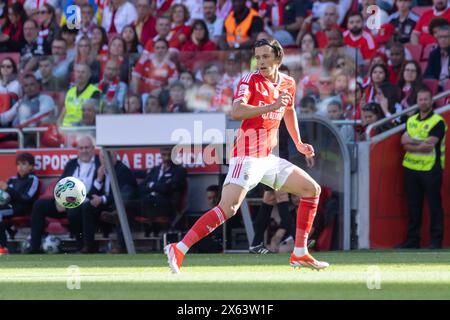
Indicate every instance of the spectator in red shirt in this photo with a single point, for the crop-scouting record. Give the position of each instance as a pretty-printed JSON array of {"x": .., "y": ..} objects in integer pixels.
[
  {"x": 11, "y": 35},
  {"x": 163, "y": 32},
  {"x": 357, "y": 37},
  {"x": 116, "y": 52},
  {"x": 397, "y": 59},
  {"x": 155, "y": 71},
  {"x": 145, "y": 24},
  {"x": 198, "y": 38},
  {"x": 421, "y": 34},
  {"x": 179, "y": 16}
]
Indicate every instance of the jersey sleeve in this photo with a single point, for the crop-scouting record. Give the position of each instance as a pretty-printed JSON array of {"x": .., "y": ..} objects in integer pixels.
[{"x": 244, "y": 90}]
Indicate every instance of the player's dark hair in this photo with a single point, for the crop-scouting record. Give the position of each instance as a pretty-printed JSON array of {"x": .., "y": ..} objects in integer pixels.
[
  {"x": 25, "y": 157},
  {"x": 274, "y": 44}
]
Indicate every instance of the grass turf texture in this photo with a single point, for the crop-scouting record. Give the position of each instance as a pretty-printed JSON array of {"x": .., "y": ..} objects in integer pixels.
[{"x": 404, "y": 275}]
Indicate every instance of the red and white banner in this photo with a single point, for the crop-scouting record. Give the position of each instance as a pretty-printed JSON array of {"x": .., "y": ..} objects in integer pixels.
[{"x": 51, "y": 162}]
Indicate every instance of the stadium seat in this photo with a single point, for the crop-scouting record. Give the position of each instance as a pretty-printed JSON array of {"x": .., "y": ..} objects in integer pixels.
[
  {"x": 415, "y": 50},
  {"x": 433, "y": 84},
  {"x": 427, "y": 50},
  {"x": 423, "y": 66},
  {"x": 420, "y": 10}
]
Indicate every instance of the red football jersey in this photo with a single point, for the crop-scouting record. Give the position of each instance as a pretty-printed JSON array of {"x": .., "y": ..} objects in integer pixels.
[
  {"x": 257, "y": 136},
  {"x": 366, "y": 43}
]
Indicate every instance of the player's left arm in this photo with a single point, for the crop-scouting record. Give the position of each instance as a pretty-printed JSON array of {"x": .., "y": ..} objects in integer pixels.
[{"x": 290, "y": 118}]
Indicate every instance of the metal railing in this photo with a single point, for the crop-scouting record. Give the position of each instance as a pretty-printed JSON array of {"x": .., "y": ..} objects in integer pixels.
[
  {"x": 399, "y": 114},
  {"x": 20, "y": 138},
  {"x": 39, "y": 130}
]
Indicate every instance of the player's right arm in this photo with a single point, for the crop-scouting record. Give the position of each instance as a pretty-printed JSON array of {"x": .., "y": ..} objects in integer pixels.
[{"x": 242, "y": 110}]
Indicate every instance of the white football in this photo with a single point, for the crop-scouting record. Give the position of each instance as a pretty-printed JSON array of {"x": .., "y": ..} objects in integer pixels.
[
  {"x": 4, "y": 198},
  {"x": 70, "y": 192},
  {"x": 51, "y": 244}
]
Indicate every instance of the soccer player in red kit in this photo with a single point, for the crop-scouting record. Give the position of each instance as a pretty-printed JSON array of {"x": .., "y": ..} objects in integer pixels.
[{"x": 263, "y": 98}]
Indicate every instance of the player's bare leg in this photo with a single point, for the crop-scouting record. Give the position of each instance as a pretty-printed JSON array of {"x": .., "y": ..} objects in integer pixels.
[
  {"x": 301, "y": 184},
  {"x": 232, "y": 197}
]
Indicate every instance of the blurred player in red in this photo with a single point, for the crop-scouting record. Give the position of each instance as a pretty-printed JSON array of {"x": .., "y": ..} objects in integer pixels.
[{"x": 262, "y": 99}]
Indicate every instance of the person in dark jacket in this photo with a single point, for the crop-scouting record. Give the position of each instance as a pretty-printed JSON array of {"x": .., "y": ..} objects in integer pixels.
[
  {"x": 438, "y": 66},
  {"x": 85, "y": 168},
  {"x": 102, "y": 199},
  {"x": 22, "y": 190},
  {"x": 163, "y": 187}
]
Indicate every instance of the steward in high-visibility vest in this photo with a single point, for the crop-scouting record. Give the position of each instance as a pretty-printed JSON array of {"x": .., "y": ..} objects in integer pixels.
[
  {"x": 74, "y": 101},
  {"x": 241, "y": 26},
  {"x": 424, "y": 161}
]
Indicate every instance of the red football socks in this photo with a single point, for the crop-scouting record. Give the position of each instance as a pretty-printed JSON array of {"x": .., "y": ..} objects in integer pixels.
[{"x": 305, "y": 217}]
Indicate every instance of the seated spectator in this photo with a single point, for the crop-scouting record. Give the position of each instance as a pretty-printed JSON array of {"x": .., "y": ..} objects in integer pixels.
[
  {"x": 356, "y": 37},
  {"x": 8, "y": 78},
  {"x": 116, "y": 52},
  {"x": 85, "y": 168},
  {"x": 177, "y": 98},
  {"x": 23, "y": 190},
  {"x": 308, "y": 43},
  {"x": 11, "y": 35},
  {"x": 335, "y": 112},
  {"x": 438, "y": 62},
  {"x": 133, "y": 104},
  {"x": 307, "y": 105},
  {"x": 99, "y": 41},
  {"x": 397, "y": 59},
  {"x": 75, "y": 97},
  {"x": 47, "y": 21},
  {"x": 420, "y": 34},
  {"x": 132, "y": 44},
  {"x": 352, "y": 102},
  {"x": 179, "y": 16},
  {"x": 410, "y": 79},
  {"x": 326, "y": 93},
  {"x": 378, "y": 74},
  {"x": 34, "y": 46},
  {"x": 198, "y": 39},
  {"x": 86, "y": 55},
  {"x": 371, "y": 113},
  {"x": 337, "y": 48},
  {"x": 211, "y": 95},
  {"x": 88, "y": 22},
  {"x": 32, "y": 6},
  {"x": 232, "y": 72},
  {"x": 435, "y": 25},
  {"x": 61, "y": 59},
  {"x": 213, "y": 23},
  {"x": 378, "y": 58},
  {"x": 194, "y": 7},
  {"x": 113, "y": 91},
  {"x": 145, "y": 25},
  {"x": 117, "y": 15},
  {"x": 90, "y": 109},
  {"x": 33, "y": 108},
  {"x": 102, "y": 200},
  {"x": 404, "y": 20},
  {"x": 155, "y": 71},
  {"x": 70, "y": 36},
  {"x": 45, "y": 75},
  {"x": 241, "y": 27},
  {"x": 319, "y": 27},
  {"x": 163, "y": 187},
  {"x": 163, "y": 33},
  {"x": 152, "y": 105}
]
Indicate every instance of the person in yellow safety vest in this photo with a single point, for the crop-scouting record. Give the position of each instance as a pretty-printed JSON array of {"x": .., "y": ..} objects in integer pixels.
[
  {"x": 424, "y": 143},
  {"x": 77, "y": 95},
  {"x": 241, "y": 27}
]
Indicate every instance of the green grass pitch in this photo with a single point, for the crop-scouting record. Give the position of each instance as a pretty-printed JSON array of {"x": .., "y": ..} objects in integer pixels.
[{"x": 401, "y": 274}]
